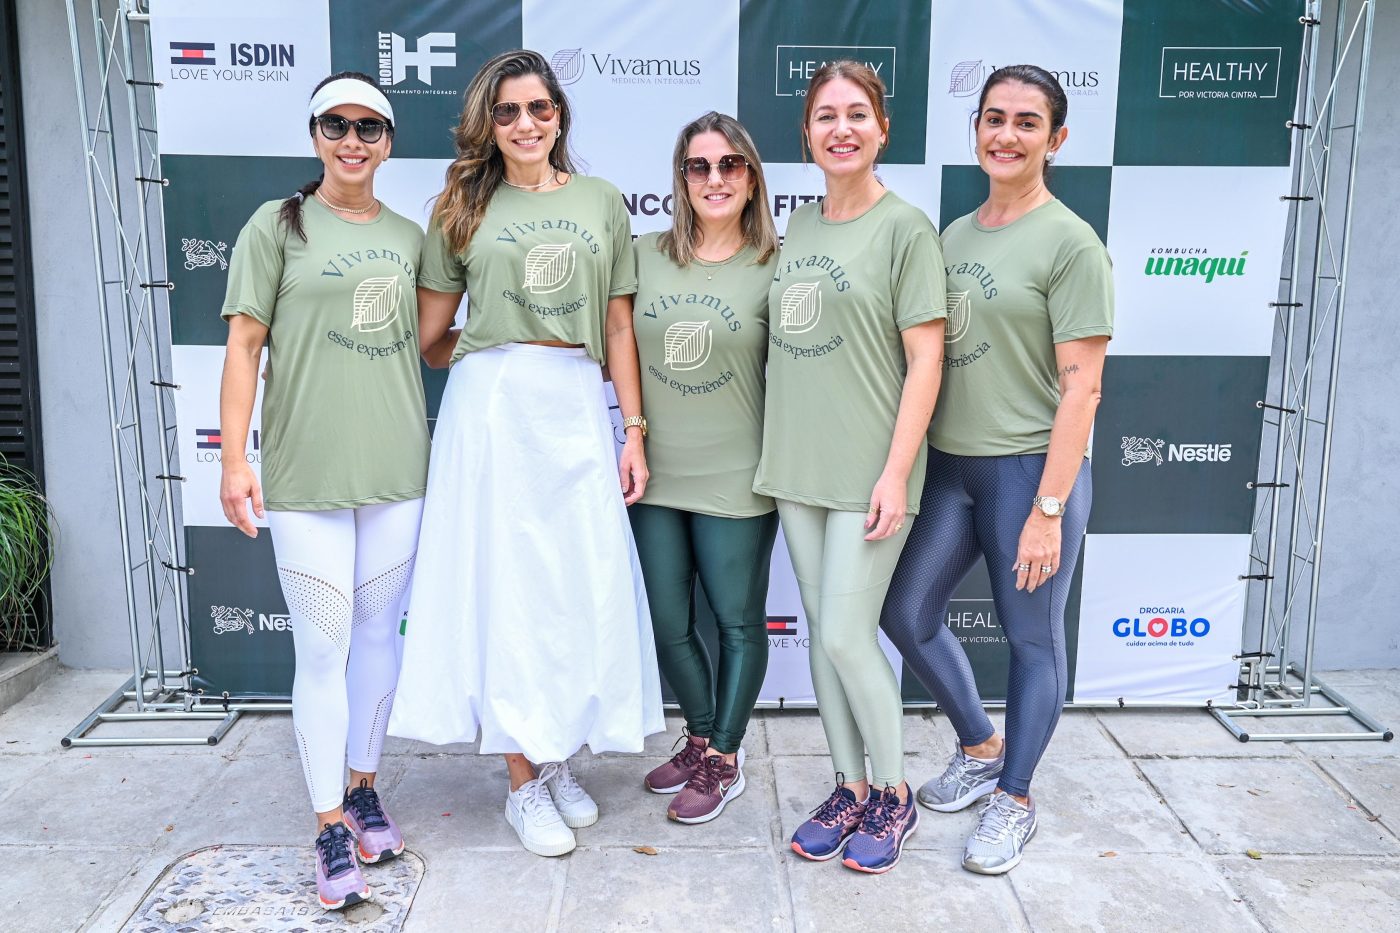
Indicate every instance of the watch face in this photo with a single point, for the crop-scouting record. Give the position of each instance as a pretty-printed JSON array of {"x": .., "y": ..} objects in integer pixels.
[{"x": 1050, "y": 505}]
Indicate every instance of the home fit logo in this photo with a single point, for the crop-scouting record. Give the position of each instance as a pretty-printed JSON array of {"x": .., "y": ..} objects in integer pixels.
[
  {"x": 228, "y": 619},
  {"x": 795, "y": 64},
  {"x": 571, "y": 65},
  {"x": 1138, "y": 450},
  {"x": 1220, "y": 72},
  {"x": 687, "y": 345},
  {"x": 431, "y": 50},
  {"x": 966, "y": 80},
  {"x": 199, "y": 61},
  {"x": 1193, "y": 261}
]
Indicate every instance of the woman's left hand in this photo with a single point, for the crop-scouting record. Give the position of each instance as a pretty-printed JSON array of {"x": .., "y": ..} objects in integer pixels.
[
  {"x": 632, "y": 468},
  {"x": 1038, "y": 554},
  {"x": 888, "y": 503}
]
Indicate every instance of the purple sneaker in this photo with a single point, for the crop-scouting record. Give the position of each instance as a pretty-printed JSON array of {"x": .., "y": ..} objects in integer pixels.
[
  {"x": 378, "y": 835},
  {"x": 339, "y": 882},
  {"x": 676, "y": 773},
  {"x": 831, "y": 824},
  {"x": 876, "y": 846}
]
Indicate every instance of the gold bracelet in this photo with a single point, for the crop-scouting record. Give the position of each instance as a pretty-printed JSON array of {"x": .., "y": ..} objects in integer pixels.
[{"x": 635, "y": 421}]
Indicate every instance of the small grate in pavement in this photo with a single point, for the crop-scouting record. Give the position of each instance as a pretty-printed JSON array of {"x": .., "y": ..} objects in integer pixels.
[{"x": 233, "y": 889}]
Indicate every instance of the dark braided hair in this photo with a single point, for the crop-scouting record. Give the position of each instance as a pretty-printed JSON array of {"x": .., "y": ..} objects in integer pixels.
[
  {"x": 1031, "y": 76},
  {"x": 290, "y": 213}
]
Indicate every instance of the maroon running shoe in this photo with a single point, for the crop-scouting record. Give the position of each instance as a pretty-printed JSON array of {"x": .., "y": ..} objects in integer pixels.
[
  {"x": 714, "y": 784},
  {"x": 674, "y": 774}
]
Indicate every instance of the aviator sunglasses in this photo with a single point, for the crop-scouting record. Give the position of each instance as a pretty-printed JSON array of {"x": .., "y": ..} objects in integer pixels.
[
  {"x": 731, "y": 168},
  {"x": 334, "y": 126},
  {"x": 508, "y": 111}
]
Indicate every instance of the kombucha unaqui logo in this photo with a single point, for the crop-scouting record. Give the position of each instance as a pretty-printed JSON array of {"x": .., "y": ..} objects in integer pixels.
[{"x": 1194, "y": 262}]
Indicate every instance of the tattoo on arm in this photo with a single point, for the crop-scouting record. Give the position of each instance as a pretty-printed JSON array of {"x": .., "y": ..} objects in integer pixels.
[{"x": 1071, "y": 368}]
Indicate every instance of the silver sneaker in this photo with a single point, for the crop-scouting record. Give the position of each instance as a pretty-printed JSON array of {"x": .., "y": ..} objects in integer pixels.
[
  {"x": 964, "y": 781},
  {"x": 1002, "y": 833}
]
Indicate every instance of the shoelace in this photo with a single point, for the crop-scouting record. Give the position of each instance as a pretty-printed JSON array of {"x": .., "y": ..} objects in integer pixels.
[
  {"x": 333, "y": 845},
  {"x": 690, "y": 755},
  {"x": 568, "y": 785},
  {"x": 833, "y": 809},
  {"x": 708, "y": 777},
  {"x": 996, "y": 820},
  {"x": 879, "y": 814},
  {"x": 369, "y": 812},
  {"x": 536, "y": 800}
]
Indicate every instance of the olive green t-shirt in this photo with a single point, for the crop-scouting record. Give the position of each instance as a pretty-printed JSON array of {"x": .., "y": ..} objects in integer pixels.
[
  {"x": 702, "y": 339},
  {"x": 343, "y": 419},
  {"x": 1013, "y": 293},
  {"x": 541, "y": 266},
  {"x": 842, "y": 293}
]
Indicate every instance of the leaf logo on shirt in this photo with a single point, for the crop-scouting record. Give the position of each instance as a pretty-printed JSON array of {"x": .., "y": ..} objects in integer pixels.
[
  {"x": 959, "y": 316},
  {"x": 548, "y": 267},
  {"x": 376, "y": 303},
  {"x": 688, "y": 345},
  {"x": 801, "y": 307}
]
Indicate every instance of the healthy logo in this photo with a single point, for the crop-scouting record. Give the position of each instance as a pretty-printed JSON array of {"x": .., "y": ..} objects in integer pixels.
[
  {"x": 430, "y": 52},
  {"x": 687, "y": 345},
  {"x": 1142, "y": 450},
  {"x": 231, "y": 619},
  {"x": 1207, "y": 267},
  {"x": 549, "y": 267},
  {"x": 567, "y": 65},
  {"x": 795, "y": 64},
  {"x": 1202, "y": 72},
  {"x": 376, "y": 303},
  {"x": 959, "y": 316},
  {"x": 801, "y": 307},
  {"x": 201, "y": 254}
]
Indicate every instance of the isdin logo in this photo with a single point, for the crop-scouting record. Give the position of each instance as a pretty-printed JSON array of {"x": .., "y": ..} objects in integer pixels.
[
  {"x": 429, "y": 53},
  {"x": 801, "y": 307},
  {"x": 1206, "y": 267},
  {"x": 201, "y": 254},
  {"x": 959, "y": 316},
  {"x": 687, "y": 345},
  {"x": 376, "y": 303},
  {"x": 231, "y": 619},
  {"x": 549, "y": 267},
  {"x": 1142, "y": 450}
]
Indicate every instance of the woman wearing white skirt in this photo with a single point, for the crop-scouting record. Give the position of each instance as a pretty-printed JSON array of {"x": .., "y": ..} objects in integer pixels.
[{"x": 528, "y": 623}]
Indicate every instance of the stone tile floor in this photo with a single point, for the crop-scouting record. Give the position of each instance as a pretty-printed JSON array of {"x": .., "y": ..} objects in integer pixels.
[{"x": 1147, "y": 822}]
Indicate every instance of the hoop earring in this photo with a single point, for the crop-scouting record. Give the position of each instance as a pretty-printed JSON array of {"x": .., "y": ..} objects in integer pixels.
[{"x": 558, "y": 131}]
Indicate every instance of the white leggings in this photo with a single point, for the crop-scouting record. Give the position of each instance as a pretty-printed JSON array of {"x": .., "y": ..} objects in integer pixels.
[{"x": 344, "y": 573}]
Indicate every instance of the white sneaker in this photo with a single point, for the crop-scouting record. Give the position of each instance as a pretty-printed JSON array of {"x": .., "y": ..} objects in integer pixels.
[
  {"x": 572, "y": 801},
  {"x": 532, "y": 814}
]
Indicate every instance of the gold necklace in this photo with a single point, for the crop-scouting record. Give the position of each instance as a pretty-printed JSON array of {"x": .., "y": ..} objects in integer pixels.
[
  {"x": 547, "y": 181},
  {"x": 346, "y": 210}
]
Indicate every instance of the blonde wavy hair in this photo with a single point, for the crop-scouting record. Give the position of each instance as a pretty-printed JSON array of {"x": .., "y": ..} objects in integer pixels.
[
  {"x": 479, "y": 168},
  {"x": 757, "y": 223}
]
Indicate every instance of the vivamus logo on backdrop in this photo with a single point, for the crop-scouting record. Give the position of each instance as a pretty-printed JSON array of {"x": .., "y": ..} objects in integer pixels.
[
  {"x": 795, "y": 65},
  {"x": 431, "y": 50},
  {"x": 572, "y": 65},
  {"x": 967, "y": 77}
]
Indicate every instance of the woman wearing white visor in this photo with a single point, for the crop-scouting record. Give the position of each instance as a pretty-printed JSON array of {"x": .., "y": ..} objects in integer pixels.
[{"x": 345, "y": 455}]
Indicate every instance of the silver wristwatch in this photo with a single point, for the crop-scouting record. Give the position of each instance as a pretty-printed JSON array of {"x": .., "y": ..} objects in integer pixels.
[{"x": 1049, "y": 506}]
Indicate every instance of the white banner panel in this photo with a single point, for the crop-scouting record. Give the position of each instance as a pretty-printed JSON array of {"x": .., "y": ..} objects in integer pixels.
[
  {"x": 1196, "y": 253},
  {"x": 237, "y": 76},
  {"x": 1160, "y": 618},
  {"x": 1079, "y": 44},
  {"x": 198, "y": 371}
]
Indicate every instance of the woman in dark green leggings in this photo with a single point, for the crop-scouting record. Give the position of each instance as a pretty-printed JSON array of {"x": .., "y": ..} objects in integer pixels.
[{"x": 701, "y": 321}]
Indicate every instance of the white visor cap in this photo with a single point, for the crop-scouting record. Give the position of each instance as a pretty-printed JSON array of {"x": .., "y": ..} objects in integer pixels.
[{"x": 351, "y": 91}]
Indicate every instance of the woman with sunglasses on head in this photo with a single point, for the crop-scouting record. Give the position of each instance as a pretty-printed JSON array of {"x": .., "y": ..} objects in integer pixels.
[
  {"x": 528, "y": 623},
  {"x": 856, "y": 313},
  {"x": 345, "y": 455},
  {"x": 1008, "y": 474},
  {"x": 701, "y": 319}
]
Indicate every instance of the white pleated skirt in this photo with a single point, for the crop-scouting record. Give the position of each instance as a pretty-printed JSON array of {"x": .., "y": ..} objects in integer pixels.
[{"x": 528, "y": 622}]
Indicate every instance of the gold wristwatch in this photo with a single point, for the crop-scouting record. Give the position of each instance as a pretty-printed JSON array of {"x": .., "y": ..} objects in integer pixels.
[{"x": 635, "y": 421}]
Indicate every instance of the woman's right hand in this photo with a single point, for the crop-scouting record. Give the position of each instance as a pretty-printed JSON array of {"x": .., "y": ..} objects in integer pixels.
[{"x": 238, "y": 485}]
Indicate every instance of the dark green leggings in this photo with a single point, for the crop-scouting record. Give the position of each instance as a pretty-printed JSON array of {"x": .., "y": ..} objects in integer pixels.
[{"x": 729, "y": 557}]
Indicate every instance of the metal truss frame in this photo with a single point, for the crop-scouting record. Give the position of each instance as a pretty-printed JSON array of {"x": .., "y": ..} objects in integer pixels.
[{"x": 1278, "y": 678}]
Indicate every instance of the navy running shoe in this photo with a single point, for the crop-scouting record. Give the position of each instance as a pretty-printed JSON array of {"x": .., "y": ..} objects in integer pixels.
[
  {"x": 823, "y": 835},
  {"x": 876, "y": 845}
]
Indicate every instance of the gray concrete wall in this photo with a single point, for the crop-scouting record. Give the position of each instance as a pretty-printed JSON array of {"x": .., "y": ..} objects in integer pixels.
[{"x": 1361, "y": 586}]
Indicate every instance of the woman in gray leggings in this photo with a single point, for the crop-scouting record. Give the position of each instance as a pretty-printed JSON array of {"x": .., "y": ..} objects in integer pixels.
[{"x": 1030, "y": 296}]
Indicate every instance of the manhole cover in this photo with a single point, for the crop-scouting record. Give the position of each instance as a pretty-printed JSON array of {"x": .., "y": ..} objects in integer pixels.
[{"x": 273, "y": 888}]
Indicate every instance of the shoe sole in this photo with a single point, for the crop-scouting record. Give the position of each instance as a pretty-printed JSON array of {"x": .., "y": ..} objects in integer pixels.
[
  {"x": 385, "y": 856},
  {"x": 734, "y": 791},
  {"x": 849, "y": 863},
  {"x": 578, "y": 822},
  {"x": 349, "y": 900},
  {"x": 1003, "y": 869},
  {"x": 543, "y": 850},
  {"x": 665, "y": 790},
  {"x": 963, "y": 802},
  {"x": 821, "y": 858}
]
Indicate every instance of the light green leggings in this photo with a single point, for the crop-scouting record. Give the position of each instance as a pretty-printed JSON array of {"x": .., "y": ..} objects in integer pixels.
[{"x": 843, "y": 579}]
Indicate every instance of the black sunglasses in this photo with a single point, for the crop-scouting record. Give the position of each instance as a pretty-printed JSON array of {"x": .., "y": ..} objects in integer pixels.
[
  {"x": 508, "y": 111},
  {"x": 334, "y": 126},
  {"x": 731, "y": 168}
]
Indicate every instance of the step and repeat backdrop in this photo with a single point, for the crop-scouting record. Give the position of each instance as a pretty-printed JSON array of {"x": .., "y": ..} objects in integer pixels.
[{"x": 1177, "y": 155}]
